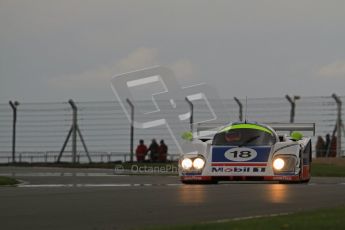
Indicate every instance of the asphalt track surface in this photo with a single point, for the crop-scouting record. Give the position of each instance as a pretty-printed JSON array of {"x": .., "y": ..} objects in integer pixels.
[{"x": 97, "y": 199}]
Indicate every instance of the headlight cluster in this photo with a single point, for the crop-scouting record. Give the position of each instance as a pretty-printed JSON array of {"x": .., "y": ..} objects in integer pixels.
[
  {"x": 187, "y": 163},
  {"x": 278, "y": 164},
  {"x": 197, "y": 163},
  {"x": 284, "y": 164}
]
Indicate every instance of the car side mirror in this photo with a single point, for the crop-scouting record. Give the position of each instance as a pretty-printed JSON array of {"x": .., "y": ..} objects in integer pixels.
[
  {"x": 188, "y": 136},
  {"x": 296, "y": 136}
]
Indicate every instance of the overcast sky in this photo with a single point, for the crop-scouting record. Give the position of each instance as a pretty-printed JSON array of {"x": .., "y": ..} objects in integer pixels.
[{"x": 55, "y": 50}]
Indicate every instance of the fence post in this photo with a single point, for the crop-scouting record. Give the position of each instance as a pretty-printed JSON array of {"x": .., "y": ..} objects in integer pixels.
[
  {"x": 74, "y": 131},
  {"x": 240, "y": 113},
  {"x": 14, "y": 106},
  {"x": 131, "y": 130},
  {"x": 293, "y": 106},
  {"x": 191, "y": 119},
  {"x": 339, "y": 123}
]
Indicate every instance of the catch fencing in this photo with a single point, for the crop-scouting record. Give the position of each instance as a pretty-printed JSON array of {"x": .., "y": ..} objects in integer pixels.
[{"x": 104, "y": 131}]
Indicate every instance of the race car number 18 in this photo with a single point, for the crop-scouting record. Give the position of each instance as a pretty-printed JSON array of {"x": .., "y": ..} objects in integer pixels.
[{"x": 240, "y": 154}]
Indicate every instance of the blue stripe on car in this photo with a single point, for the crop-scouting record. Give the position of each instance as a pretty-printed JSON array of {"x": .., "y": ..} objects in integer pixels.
[{"x": 218, "y": 153}]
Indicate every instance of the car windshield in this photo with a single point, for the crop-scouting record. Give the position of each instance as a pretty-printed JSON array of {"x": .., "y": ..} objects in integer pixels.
[{"x": 244, "y": 137}]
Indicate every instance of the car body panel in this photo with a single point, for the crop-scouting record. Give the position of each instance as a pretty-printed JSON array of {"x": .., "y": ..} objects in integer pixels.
[{"x": 227, "y": 162}]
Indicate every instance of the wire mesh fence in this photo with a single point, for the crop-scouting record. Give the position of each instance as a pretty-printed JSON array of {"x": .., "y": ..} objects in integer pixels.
[{"x": 42, "y": 128}]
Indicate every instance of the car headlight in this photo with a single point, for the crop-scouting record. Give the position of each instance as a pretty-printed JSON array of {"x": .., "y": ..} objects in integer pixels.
[
  {"x": 278, "y": 164},
  {"x": 198, "y": 163},
  {"x": 186, "y": 163},
  {"x": 285, "y": 164}
]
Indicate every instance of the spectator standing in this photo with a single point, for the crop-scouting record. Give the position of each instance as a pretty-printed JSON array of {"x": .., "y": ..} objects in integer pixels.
[
  {"x": 141, "y": 151},
  {"x": 327, "y": 144},
  {"x": 153, "y": 149},
  {"x": 320, "y": 147},
  {"x": 333, "y": 148},
  {"x": 163, "y": 151}
]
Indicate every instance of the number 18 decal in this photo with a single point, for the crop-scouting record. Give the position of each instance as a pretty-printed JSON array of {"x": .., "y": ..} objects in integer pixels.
[{"x": 240, "y": 154}]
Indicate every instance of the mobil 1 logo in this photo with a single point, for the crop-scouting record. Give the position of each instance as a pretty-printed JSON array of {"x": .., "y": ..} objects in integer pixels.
[{"x": 240, "y": 154}]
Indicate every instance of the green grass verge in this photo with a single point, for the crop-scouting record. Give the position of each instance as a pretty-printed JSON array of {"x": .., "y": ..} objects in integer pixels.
[
  {"x": 327, "y": 170},
  {"x": 332, "y": 218},
  {"x": 7, "y": 181}
]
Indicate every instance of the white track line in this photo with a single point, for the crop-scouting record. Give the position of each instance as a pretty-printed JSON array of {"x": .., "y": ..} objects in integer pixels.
[
  {"x": 78, "y": 174},
  {"x": 249, "y": 217},
  {"x": 61, "y": 174},
  {"x": 89, "y": 185}
]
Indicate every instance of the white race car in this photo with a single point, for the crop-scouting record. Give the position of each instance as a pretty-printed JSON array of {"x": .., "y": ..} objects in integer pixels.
[{"x": 249, "y": 151}]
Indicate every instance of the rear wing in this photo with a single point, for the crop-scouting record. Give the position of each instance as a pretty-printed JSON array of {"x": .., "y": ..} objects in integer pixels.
[
  {"x": 293, "y": 127},
  {"x": 208, "y": 129},
  {"x": 214, "y": 127},
  {"x": 208, "y": 126}
]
